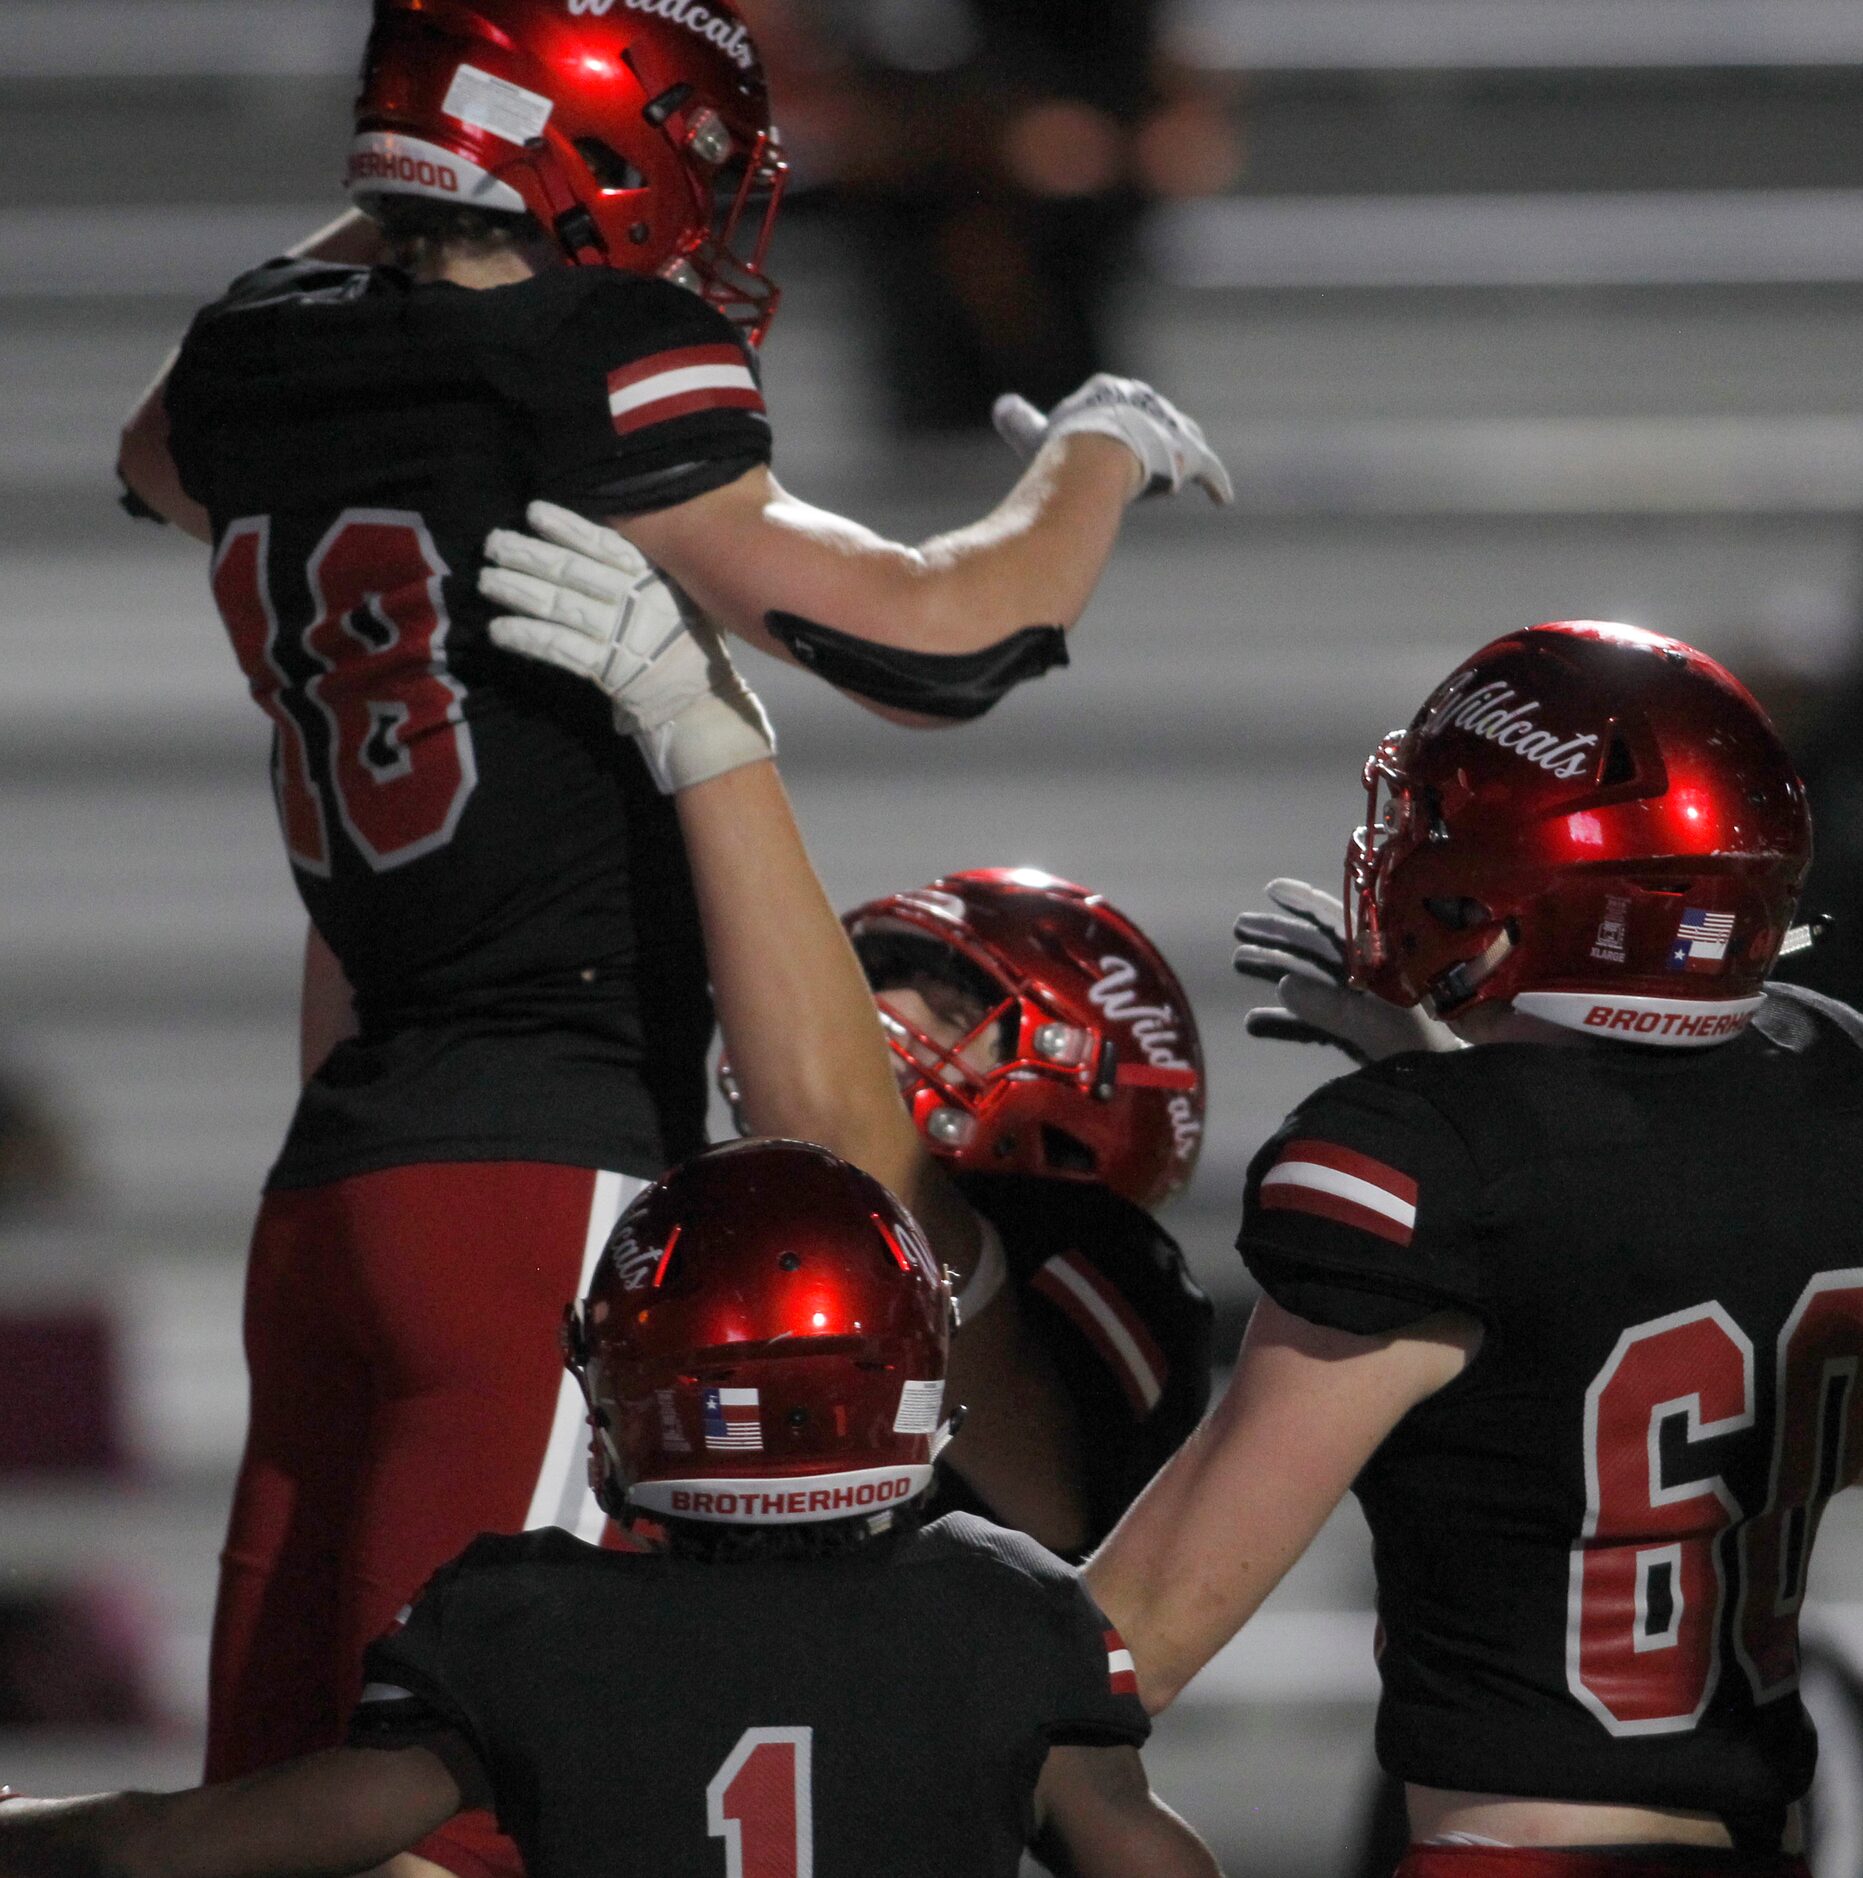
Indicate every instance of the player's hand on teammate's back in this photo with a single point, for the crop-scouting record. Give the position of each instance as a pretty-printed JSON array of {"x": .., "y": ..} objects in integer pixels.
[
  {"x": 588, "y": 601},
  {"x": 1170, "y": 446},
  {"x": 1300, "y": 950}
]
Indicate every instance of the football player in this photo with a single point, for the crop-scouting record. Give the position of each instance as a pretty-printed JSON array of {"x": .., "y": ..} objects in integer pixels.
[
  {"x": 804, "y": 1673},
  {"x": 1575, "y": 1310},
  {"x": 1046, "y": 1051},
  {"x": 505, "y": 1001}
]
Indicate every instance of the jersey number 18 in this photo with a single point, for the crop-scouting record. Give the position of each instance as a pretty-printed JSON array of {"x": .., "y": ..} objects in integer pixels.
[{"x": 359, "y": 665}]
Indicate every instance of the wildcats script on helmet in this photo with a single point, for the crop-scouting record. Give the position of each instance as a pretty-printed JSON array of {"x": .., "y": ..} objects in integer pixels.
[
  {"x": 728, "y": 35},
  {"x": 1497, "y": 712}
]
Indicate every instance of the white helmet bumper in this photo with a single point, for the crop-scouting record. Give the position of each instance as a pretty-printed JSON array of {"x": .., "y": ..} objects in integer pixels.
[
  {"x": 387, "y": 163},
  {"x": 1673, "y": 1023},
  {"x": 800, "y": 1500}
]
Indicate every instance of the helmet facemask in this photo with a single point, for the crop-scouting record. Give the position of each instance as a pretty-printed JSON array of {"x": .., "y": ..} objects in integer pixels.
[{"x": 1072, "y": 1054}]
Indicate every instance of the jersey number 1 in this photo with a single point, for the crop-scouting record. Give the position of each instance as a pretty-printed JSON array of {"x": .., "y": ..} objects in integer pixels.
[
  {"x": 399, "y": 761},
  {"x": 761, "y": 1804},
  {"x": 1649, "y": 1574}
]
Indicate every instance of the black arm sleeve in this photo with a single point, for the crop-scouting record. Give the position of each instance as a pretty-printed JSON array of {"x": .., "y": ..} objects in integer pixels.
[{"x": 954, "y": 685}]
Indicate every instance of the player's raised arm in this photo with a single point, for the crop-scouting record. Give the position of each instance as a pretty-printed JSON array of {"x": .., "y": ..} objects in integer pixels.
[
  {"x": 937, "y": 631},
  {"x": 806, "y": 1049},
  {"x": 345, "y": 1810},
  {"x": 800, "y": 577},
  {"x": 1099, "y": 1804}
]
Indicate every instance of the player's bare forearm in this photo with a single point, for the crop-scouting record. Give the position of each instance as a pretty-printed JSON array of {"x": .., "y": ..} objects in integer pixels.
[
  {"x": 1226, "y": 1516},
  {"x": 143, "y": 457},
  {"x": 327, "y": 1011},
  {"x": 800, "y": 1030},
  {"x": 1099, "y": 1804},
  {"x": 752, "y": 549},
  {"x": 345, "y": 1810}
]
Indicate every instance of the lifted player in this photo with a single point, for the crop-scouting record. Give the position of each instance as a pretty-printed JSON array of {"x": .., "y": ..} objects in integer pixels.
[
  {"x": 1047, "y": 1054},
  {"x": 804, "y": 1674},
  {"x": 1575, "y": 1312},
  {"x": 505, "y": 990}
]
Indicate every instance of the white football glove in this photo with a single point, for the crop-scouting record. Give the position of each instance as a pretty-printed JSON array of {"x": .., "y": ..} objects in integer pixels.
[
  {"x": 1168, "y": 444},
  {"x": 587, "y": 600},
  {"x": 1301, "y": 951}
]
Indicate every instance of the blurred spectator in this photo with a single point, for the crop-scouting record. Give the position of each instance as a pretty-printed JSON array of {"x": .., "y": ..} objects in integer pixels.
[
  {"x": 1830, "y": 755},
  {"x": 38, "y": 1163},
  {"x": 993, "y": 159},
  {"x": 71, "y": 1658},
  {"x": 1812, "y": 683}
]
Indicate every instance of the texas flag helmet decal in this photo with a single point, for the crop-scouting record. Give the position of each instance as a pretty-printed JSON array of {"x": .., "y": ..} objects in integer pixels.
[
  {"x": 733, "y": 1421},
  {"x": 1701, "y": 941}
]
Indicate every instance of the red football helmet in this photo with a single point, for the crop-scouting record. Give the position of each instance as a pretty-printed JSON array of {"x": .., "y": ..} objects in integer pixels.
[
  {"x": 637, "y": 132},
  {"x": 1591, "y": 821},
  {"x": 764, "y": 1343},
  {"x": 1099, "y": 1072}
]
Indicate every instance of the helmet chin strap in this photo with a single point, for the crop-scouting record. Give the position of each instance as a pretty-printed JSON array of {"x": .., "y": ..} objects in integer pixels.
[
  {"x": 570, "y": 223},
  {"x": 1454, "y": 987}
]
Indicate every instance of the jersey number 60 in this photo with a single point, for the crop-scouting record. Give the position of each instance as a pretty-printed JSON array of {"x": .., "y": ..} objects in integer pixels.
[{"x": 1649, "y": 1575}]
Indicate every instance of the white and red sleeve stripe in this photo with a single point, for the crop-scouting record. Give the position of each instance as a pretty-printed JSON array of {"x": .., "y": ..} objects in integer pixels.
[
  {"x": 1103, "y": 1315},
  {"x": 1340, "y": 1184},
  {"x": 1121, "y": 1673},
  {"x": 679, "y": 383}
]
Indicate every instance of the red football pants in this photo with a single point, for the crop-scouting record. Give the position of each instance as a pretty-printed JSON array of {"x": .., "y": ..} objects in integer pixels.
[
  {"x": 1481, "y": 1861},
  {"x": 407, "y": 1394}
]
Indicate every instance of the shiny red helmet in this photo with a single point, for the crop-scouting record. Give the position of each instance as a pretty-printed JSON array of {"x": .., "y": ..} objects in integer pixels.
[
  {"x": 1591, "y": 821},
  {"x": 1084, "y": 1063},
  {"x": 636, "y": 132},
  {"x": 763, "y": 1344}
]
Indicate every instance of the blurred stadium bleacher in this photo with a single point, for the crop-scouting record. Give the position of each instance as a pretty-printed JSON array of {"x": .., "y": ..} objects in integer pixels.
[{"x": 1525, "y": 309}]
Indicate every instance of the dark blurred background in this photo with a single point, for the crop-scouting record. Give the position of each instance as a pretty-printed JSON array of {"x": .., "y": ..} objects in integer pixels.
[{"x": 1500, "y": 310}]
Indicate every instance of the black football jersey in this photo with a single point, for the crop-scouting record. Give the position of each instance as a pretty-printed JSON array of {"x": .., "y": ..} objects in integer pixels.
[
  {"x": 1592, "y": 1546},
  {"x": 504, "y": 886},
  {"x": 1128, "y": 1329},
  {"x": 887, "y": 1710}
]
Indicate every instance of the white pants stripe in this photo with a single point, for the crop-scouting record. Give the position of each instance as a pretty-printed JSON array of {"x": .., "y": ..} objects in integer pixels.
[{"x": 561, "y": 1496}]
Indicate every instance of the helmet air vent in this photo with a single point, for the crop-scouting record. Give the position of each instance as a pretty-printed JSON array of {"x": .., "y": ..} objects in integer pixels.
[
  {"x": 608, "y": 166},
  {"x": 661, "y": 108},
  {"x": 1620, "y": 765},
  {"x": 666, "y": 1257}
]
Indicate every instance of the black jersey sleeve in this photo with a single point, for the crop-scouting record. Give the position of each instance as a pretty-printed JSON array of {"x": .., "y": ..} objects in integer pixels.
[
  {"x": 1361, "y": 1211},
  {"x": 639, "y": 397},
  {"x": 1054, "y": 1643},
  {"x": 206, "y": 388},
  {"x": 410, "y": 1698},
  {"x": 1093, "y": 1689}
]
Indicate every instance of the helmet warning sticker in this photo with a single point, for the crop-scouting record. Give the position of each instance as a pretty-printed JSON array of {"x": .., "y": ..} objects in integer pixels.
[
  {"x": 488, "y": 103},
  {"x": 919, "y": 1406}
]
